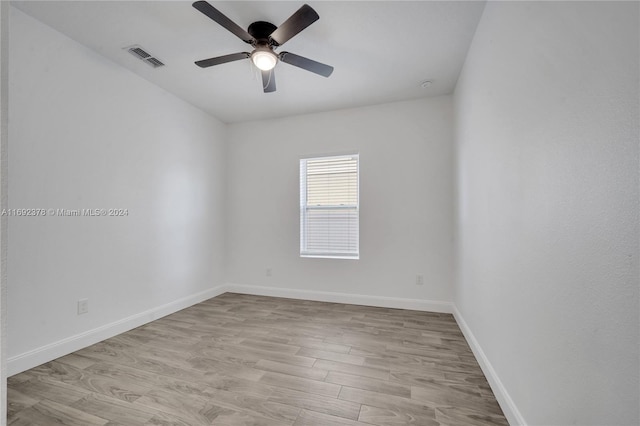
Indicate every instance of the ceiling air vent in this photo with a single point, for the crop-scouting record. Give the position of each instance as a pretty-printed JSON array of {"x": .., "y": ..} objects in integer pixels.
[
  {"x": 154, "y": 62},
  {"x": 145, "y": 56}
]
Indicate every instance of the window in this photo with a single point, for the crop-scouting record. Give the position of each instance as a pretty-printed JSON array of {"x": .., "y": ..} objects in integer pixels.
[{"x": 329, "y": 207}]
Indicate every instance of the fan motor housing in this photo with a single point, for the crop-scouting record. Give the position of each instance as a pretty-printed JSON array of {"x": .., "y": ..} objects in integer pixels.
[{"x": 261, "y": 31}]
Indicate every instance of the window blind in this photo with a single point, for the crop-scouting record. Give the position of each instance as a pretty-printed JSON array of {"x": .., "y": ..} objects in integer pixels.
[{"x": 329, "y": 207}]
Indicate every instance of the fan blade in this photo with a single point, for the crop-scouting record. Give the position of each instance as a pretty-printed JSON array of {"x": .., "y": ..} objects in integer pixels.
[
  {"x": 222, "y": 59},
  {"x": 269, "y": 81},
  {"x": 306, "y": 64},
  {"x": 221, "y": 19},
  {"x": 297, "y": 22}
]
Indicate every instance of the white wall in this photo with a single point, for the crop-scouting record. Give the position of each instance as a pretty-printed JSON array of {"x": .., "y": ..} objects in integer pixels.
[
  {"x": 405, "y": 194},
  {"x": 85, "y": 133},
  {"x": 547, "y": 151}
]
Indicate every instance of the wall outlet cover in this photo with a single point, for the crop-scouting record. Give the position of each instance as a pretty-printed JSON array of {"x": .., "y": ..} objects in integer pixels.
[{"x": 83, "y": 306}]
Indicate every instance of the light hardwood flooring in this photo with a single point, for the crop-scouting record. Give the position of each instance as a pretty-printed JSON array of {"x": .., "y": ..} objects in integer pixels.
[{"x": 250, "y": 360}]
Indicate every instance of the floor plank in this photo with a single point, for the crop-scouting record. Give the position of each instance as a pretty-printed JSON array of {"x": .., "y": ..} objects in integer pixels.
[
  {"x": 358, "y": 370},
  {"x": 311, "y": 418},
  {"x": 294, "y": 370},
  {"x": 301, "y": 384},
  {"x": 367, "y": 383},
  {"x": 317, "y": 403},
  {"x": 395, "y": 417},
  {"x": 251, "y": 360},
  {"x": 331, "y": 356},
  {"x": 48, "y": 412},
  {"x": 384, "y": 408}
]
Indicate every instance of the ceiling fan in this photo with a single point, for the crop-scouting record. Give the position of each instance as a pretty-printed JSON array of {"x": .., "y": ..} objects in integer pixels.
[{"x": 265, "y": 37}]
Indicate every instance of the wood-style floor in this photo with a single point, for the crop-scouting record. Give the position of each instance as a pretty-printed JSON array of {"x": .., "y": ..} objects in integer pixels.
[{"x": 249, "y": 360}]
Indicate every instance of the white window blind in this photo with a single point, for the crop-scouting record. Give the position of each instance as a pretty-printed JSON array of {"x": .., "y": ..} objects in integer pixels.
[{"x": 329, "y": 207}]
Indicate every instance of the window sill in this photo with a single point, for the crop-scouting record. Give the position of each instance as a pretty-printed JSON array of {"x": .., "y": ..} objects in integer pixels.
[{"x": 330, "y": 256}]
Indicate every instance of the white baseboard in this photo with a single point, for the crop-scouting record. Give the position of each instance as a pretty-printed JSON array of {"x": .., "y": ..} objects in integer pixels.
[
  {"x": 35, "y": 357},
  {"x": 509, "y": 408},
  {"x": 352, "y": 299}
]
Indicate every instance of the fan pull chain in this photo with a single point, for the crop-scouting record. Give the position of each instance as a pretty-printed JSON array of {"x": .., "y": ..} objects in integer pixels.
[{"x": 269, "y": 80}]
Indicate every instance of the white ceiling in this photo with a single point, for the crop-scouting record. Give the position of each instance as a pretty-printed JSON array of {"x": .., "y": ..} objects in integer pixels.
[{"x": 381, "y": 50}]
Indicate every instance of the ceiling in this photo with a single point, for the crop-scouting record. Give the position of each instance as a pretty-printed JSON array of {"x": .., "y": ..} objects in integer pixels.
[{"x": 381, "y": 50}]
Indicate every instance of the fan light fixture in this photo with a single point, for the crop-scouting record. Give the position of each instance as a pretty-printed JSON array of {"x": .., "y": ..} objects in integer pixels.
[
  {"x": 264, "y": 37},
  {"x": 264, "y": 59}
]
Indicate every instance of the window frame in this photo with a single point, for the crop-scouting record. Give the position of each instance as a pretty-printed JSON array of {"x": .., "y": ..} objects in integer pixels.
[{"x": 305, "y": 207}]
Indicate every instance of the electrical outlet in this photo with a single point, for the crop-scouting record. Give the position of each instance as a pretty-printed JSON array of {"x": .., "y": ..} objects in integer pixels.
[
  {"x": 269, "y": 272},
  {"x": 419, "y": 279},
  {"x": 83, "y": 306}
]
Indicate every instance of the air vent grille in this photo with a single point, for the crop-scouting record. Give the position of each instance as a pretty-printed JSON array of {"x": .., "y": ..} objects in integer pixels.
[
  {"x": 154, "y": 62},
  {"x": 144, "y": 56},
  {"x": 139, "y": 52}
]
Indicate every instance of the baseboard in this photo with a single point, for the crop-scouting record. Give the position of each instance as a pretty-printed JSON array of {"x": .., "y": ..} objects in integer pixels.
[
  {"x": 509, "y": 408},
  {"x": 35, "y": 357},
  {"x": 352, "y": 299}
]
